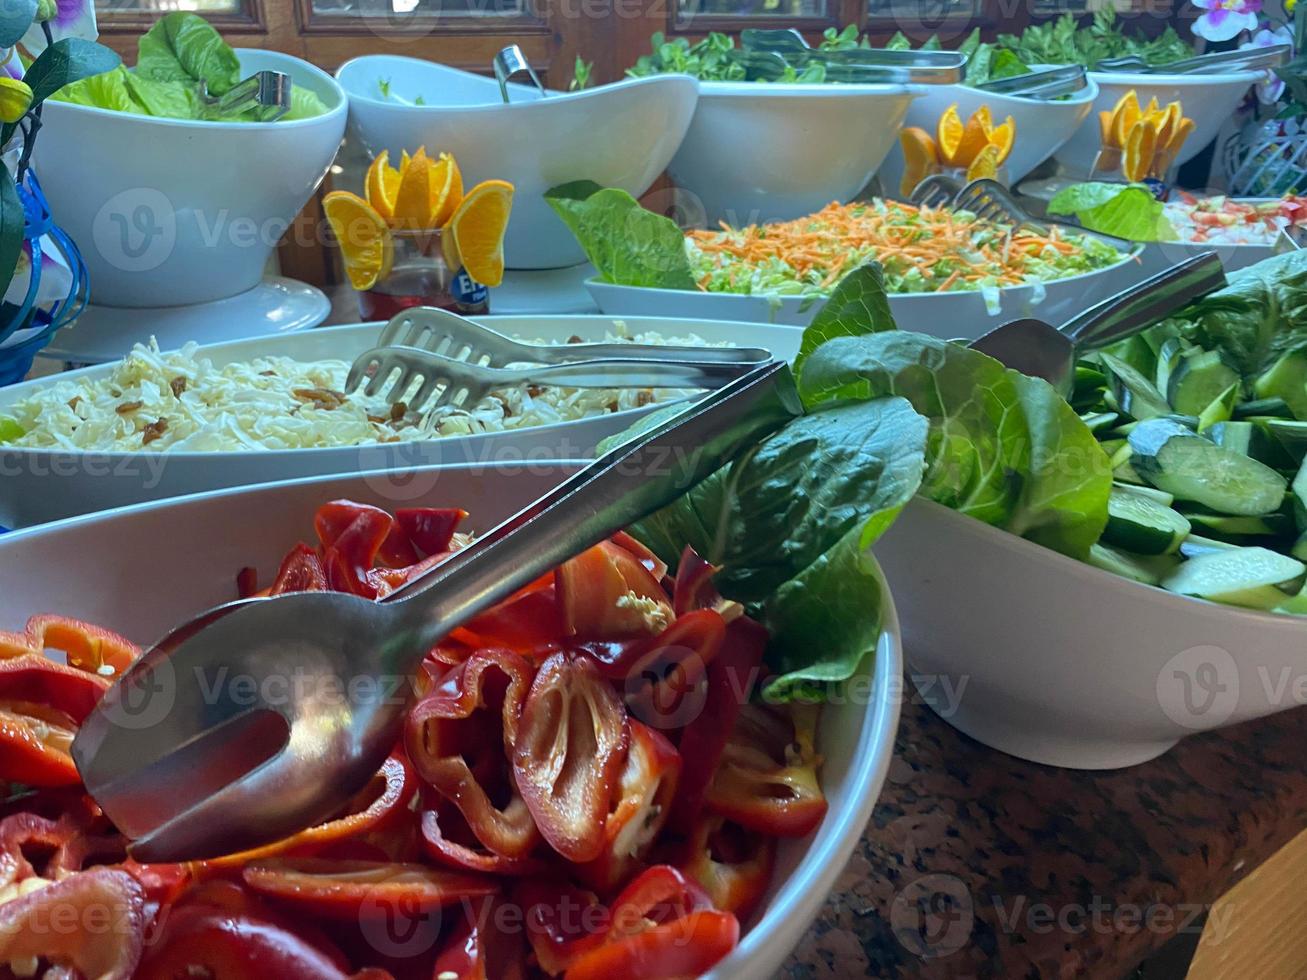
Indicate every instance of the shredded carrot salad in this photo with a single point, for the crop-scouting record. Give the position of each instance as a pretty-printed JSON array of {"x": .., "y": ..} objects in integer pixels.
[{"x": 922, "y": 250}]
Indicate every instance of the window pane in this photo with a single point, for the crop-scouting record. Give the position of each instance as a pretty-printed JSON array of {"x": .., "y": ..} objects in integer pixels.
[
  {"x": 688, "y": 9},
  {"x": 390, "y": 9},
  {"x": 918, "y": 13},
  {"x": 165, "y": 6}
]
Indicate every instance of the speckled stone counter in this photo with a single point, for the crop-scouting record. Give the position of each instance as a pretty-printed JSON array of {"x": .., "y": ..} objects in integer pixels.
[{"x": 976, "y": 864}]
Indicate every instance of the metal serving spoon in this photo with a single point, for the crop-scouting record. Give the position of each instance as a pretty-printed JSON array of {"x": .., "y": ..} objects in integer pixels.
[{"x": 262, "y": 717}]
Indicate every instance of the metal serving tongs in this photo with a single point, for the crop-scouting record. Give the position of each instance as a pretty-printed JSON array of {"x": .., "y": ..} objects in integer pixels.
[
  {"x": 512, "y": 61},
  {"x": 188, "y": 765},
  {"x": 266, "y": 92},
  {"x": 457, "y": 361},
  {"x": 1044, "y": 83},
  {"x": 1041, "y": 350},
  {"x": 1271, "y": 56},
  {"x": 766, "y": 53}
]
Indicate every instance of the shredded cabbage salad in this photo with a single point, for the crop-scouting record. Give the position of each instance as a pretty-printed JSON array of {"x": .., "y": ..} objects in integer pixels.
[
  {"x": 182, "y": 402},
  {"x": 922, "y": 250}
]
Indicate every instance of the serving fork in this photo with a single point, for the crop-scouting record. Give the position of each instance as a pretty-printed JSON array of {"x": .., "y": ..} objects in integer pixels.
[
  {"x": 1271, "y": 56},
  {"x": 456, "y": 361},
  {"x": 261, "y": 717}
]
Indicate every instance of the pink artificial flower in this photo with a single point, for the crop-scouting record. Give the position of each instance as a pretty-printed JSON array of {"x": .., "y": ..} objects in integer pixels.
[
  {"x": 1224, "y": 19},
  {"x": 1272, "y": 88}
]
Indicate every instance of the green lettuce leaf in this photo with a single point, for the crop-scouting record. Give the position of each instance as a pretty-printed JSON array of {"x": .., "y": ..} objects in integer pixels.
[
  {"x": 168, "y": 100},
  {"x": 628, "y": 245},
  {"x": 184, "y": 47},
  {"x": 108, "y": 90},
  {"x": 1127, "y": 211},
  {"x": 791, "y": 524},
  {"x": 1003, "y": 448},
  {"x": 304, "y": 104},
  {"x": 858, "y": 305},
  {"x": 1260, "y": 314}
]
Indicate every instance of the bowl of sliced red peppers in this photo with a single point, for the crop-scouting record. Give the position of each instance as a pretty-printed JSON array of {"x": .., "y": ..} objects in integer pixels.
[{"x": 587, "y": 785}]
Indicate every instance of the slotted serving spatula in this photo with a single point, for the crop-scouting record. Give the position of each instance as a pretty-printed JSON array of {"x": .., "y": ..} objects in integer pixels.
[{"x": 262, "y": 717}]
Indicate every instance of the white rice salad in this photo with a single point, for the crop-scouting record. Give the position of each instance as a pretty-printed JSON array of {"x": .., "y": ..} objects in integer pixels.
[
  {"x": 1231, "y": 221},
  {"x": 181, "y": 402}
]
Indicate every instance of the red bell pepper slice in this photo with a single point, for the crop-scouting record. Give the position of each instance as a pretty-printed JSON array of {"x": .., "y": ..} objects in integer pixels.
[
  {"x": 684, "y": 947},
  {"x": 301, "y": 571},
  {"x": 666, "y": 681},
  {"x": 376, "y": 809},
  {"x": 734, "y": 865},
  {"x": 92, "y": 923},
  {"x": 65, "y": 845},
  {"x": 41, "y": 705},
  {"x": 730, "y": 680},
  {"x": 88, "y": 648},
  {"x": 645, "y": 790},
  {"x": 767, "y": 777},
  {"x": 658, "y": 895},
  {"x": 478, "y": 949},
  {"x": 527, "y": 622},
  {"x": 429, "y": 529},
  {"x": 657, "y": 567},
  {"x": 563, "y": 922},
  {"x": 351, "y": 536},
  {"x": 570, "y": 748},
  {"x": 348, "y": 890},
  {"x": 600, "y": 592},
  {"x": 459, "y": 736},
  {"x": 463, "y": 857}
]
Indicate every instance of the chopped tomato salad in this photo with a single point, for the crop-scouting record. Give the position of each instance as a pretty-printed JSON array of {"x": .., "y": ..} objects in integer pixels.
[{"x": 585, "y": 787}]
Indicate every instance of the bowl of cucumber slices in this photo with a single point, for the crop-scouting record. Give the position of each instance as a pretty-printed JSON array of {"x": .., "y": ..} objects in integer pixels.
[{"x": 1187, "y": 613}]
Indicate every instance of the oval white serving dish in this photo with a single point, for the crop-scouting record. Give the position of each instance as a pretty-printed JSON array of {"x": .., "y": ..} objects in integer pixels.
[
  {"x": 953, "y": 315},
  {"x": 172, "y": 212},
  {"x": 619, "y": 135},
  {"x": 39, "y": 485},
  {"x": 105, "y": 568},
  {"x": 1209, "y": 100},
  {"x": 762, "y": 152},
  {"x": 1056, "y": 661}
]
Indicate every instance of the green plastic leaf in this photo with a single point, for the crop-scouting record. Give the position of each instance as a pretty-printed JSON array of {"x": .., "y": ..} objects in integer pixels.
[
  {"x": 858, "y": 305},
  {"x": 11, "y": 225},
  {"x": 184, "y": 47},
  {"x": 16, "y": 17},
  {"x": 68, "y": 60},
  {"x": 1127, "y": 211},
  {"x": 628, "y": 245}
]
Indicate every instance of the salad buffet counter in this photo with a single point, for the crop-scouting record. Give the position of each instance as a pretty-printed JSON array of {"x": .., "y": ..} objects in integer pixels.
[{"x": 976, "y": 864}]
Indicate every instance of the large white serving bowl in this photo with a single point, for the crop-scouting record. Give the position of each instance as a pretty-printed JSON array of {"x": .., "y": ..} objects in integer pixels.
[
  {"x": 1209, "y": 100},
  {"x": 39, "y": 485},
  {"x": 1041, "y": 126},
  {"x": 1053, "y": 660},
  {"x": 762, "y": 152},
  {"x": 170, "y": 212},
  {"x": 619, "y": 135},
  {"x": 952, "y": 315},
  {"x": 105, "y": 568}
]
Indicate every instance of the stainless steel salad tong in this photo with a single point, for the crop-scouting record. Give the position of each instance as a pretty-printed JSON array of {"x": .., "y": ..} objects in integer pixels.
[
  {"x": 512, "y": 61},
  {"x": 459, "y": 361},
  {"x": 1039, "y": 349},
  {"x": 766, "y": 54},
  {"x": 266, "y": 92},
  {"x": 1271, "y": 56},
  {"x": 1043, "y": 83},
  {"x": 262, "y": 717}
]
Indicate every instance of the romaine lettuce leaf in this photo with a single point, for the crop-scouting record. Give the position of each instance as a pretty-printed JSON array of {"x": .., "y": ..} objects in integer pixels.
[
  {"x": 1127, "y": 211},
  {"x": 169, "y": 100},
  {"x": 628, "y": 245},
  {"x": 184, "y": 47},
  {"x": 304, "y": 104},
  {"x": 108, "y": 90},
  {"x": 858, "y": 305}
]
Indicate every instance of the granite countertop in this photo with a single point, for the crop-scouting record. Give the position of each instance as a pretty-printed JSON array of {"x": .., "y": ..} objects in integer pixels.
[{"x": 977, "y": 864}]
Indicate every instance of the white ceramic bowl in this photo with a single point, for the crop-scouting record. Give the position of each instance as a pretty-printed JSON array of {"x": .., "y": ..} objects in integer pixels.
[
  {"x": 1041, "y": 127},
  {"x": 760, "y": 152},
  {"x": 39, "y": 485},
  {"x": 619, "y": 135},
  {"x": 170, "y": 212},
  {"x": 105, "y": 569},
  {"x": 960, "y": 315},
  {"x": 1209, "y": 100},
  {"x": 1053, "y": 660}
]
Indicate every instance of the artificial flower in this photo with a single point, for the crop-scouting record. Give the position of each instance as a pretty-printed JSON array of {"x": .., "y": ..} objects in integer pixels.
[
  {"x": 1224, "y": 19},
  {"x": 72, "y": 18},
  {"x": 15, "y": 99},
  {"x": 1272, "y": 88}
]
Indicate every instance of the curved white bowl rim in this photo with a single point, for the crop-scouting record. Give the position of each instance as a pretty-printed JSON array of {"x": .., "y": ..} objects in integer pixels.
[{"x": 1134, "y": 79}]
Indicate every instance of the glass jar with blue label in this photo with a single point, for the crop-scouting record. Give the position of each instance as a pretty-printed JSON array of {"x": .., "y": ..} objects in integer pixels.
[{"x": 421, "y": 276}]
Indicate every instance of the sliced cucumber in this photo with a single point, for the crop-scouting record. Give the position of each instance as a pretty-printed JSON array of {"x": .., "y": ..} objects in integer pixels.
[
  {"x": 1240, "y": 526},
  {"x": 1290, "y": 434},
  {"x": 1135, "y": 394},
  {"x": 1148, "y": 569},
  {"x": 1200, "y": 377},
  {"x": 1111, "y": 446},
  {"x": 1299, "y": 549},
  {"x": 1263, "y": 406},
  {"x": 1235, "y": 436},
  {"x": 1298, "y": 493},
  {"x": 1168, "y": 357},
  {"x": 1135, "y": 352},
  {"x": 1253, "y": 577},
  {"x": 1152, "y": 493},
  {"x": 1196, "y": 545},
  {"x": 1192, "y": 467},
  {"x": 1286, "y": 379},
  {"x": 1220, "y": 410},
  {"x": 1099, "y": 421},
  {"x": 1140, "y": 524}
]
